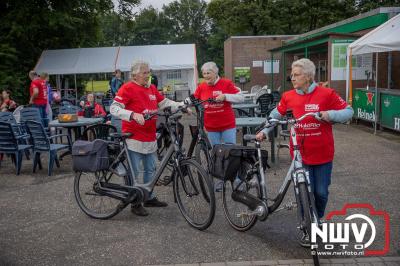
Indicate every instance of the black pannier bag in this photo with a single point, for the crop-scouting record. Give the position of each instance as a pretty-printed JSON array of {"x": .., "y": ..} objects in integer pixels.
[
  {"x": 90, "y": 156},
  {"x": 227, "y": 159}
]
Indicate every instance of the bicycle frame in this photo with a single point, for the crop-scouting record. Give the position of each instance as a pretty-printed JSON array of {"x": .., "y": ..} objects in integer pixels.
[
  {"x": 296, "y": 173},
  {"x": 145, "y": 188},
  {"x": 199, "y": 135}
]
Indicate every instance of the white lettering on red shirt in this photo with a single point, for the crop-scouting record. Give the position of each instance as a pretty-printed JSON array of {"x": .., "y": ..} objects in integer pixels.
[
  {"x": 140, "y": 100},
  {"x": 217, "y": 116},
  {"x": 314, "y": 137}
]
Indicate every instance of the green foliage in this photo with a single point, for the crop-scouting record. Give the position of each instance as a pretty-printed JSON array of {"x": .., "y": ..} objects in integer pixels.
[{"x": 28, "y": 27}]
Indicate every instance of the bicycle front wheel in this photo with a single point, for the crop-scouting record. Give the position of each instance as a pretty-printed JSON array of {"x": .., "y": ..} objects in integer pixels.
[
  {"x": 89, "y": 197},
  {"x": 202, "y": 156},
  {"x": 235, "y": 212},
  {"x": 194, "y": 194},
  {"x": 309, "y": 216}
]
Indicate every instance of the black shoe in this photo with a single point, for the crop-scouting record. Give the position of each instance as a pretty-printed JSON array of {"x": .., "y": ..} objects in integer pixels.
[
  {"x": 305, "y": 241},
  {"x": 139, "y": 210},
  {"x": 154, "y": 202}
]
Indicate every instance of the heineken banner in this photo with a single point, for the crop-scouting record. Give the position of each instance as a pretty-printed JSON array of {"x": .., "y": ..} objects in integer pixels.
[
  {"x": 364, "y": 104},
  {"x": 390, "y": 110}
]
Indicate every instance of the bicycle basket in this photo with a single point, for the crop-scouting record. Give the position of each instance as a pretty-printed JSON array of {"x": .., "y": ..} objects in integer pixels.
[
  {"x": 227, "y": 159},
  {"x": 90, "y": 156}
]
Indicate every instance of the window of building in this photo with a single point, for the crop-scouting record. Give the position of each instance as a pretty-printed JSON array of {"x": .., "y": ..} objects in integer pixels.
[{"x": 174, "y": 74}]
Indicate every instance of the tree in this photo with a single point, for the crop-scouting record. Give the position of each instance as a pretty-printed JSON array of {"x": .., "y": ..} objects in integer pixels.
[
  {"x": 28, "y": 27},
  {"x": 189, "y": 24}
]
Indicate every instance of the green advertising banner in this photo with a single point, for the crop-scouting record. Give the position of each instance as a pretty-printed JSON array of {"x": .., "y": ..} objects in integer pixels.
[
  {"x": 242, "y": 74},
  {"x": 390, "y": 111},
  {"x": 364, "y": 104}
]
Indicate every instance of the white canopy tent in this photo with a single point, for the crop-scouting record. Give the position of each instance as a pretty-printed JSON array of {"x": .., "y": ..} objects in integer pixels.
[
  {"x": 107, "y": 59},
  {"x": 385, "y": 38}
]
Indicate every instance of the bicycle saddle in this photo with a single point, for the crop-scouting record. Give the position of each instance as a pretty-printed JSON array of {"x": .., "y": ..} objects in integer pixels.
[{"x": 120, "y": 135}]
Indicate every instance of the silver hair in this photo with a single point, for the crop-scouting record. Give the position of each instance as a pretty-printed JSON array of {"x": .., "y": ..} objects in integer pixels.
[
  {"x": 307, "y": 65},
  {"x": 210, "y": 66},
  {"x": 138, "y": 65}
]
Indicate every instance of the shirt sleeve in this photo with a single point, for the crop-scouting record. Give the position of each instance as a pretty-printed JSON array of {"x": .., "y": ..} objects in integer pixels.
[
  {"x": 231, "y": 89},
  {"x": 282, "y": 106},
  {"x": 336, "y": 102},
  {"x": 197, "y": 93},
  {"x": 158, "y": 95}
]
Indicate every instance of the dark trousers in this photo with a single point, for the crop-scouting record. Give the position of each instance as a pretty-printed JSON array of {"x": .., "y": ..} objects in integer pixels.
[
  {"x": 43, "y": 114},
  {"x": 320, "y": 179}
]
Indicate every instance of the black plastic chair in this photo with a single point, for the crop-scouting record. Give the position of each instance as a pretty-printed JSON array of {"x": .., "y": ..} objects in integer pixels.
[
  {"x": 9, "y": 144},
  {"x": 42, "y": 143},
  {"x": 277, "y": 96},
  {"x": 99, "y": 131},
  {"x": 31, "y": 113},
  {"x": 266, "y": 102}
]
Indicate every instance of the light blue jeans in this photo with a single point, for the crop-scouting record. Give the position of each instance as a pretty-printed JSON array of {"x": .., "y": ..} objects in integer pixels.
[
  {"x": 147, "y": 162},
  {"x": 227, "y": 136}
]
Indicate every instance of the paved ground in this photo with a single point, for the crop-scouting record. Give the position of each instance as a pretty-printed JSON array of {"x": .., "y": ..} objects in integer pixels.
[{"x": 41, "y": 224}]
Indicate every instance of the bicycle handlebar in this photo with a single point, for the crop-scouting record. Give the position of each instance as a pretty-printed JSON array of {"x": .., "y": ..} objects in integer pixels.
[{"x": 271, "y": 122}]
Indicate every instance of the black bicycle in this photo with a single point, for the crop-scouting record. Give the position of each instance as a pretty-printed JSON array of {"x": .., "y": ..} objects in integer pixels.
[
  {"x": 246, "y": 201},
  {"x": 104, "y": 194},
  {"x": 200, "y": 145}
]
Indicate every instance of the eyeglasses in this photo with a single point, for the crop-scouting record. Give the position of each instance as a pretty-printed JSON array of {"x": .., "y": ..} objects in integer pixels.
[{"x": 295, "y": 75}]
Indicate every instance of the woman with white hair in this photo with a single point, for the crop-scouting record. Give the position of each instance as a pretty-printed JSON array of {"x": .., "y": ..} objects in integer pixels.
[
  {"x": 317, "y": 146},
  {"x": 132, "y": 101},
  {"x": 219, "y": 118}
]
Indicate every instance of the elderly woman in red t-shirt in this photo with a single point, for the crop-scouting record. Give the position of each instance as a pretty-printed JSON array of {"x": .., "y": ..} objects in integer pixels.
[
  {"x": 219, "y": 118},
  {"x": 134, "y": 99},
  {"x": 316, "y": 147}
]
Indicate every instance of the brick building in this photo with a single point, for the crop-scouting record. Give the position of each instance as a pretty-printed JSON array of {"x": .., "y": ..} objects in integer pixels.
[
  {"x": 327, "y": 47},
  {"x": 252, "y": 52}
]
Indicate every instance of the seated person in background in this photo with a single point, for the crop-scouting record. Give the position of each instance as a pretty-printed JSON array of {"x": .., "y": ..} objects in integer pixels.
[
  {"x": 8, "y": 105},
  {"x": 91, "y": 108}
]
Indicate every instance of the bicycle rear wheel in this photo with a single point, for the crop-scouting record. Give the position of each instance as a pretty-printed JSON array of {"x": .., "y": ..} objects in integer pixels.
[
  {"x": 89, "y": 198},
  {"x": 309, "y": 216},
  {"x": 235, "y": 212},
  {"x": 194, "y": 194}
]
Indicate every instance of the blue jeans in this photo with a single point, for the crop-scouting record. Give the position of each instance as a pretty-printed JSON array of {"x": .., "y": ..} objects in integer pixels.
[
  {"x": 320, "y": 179},
  {"x": 43, "y": 113},
  {"x": 149, "y": 166},
  {"x": 226, "y": 136}
]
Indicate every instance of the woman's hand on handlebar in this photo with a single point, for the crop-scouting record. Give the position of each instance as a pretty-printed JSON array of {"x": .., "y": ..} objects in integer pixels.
[
  {"x": 220, "y": 98},
  {"x": 260, "y": 136},
  {"x": 324, "y": 115},
  {"x": 138, "y": 118}
]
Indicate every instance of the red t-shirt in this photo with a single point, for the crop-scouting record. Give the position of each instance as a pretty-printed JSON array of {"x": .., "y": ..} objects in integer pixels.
[
  {"x": 98, "y": 110},
  {"x": 141, "y": 100},
  {"x": 315, "y": 138},
  {"x": 41, "y": 98},
  {"x": 217, "y": 116}
]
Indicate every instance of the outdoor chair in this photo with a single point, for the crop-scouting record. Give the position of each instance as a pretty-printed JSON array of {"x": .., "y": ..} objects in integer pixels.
[
  {"x": 277, "y": 96},
  {"x": 9, "y": 145},
  {"x": 255, "y": 89},
  {"x": 31, "y": 113},
  {"x": 99, "y": 131},
  {"x": 42, "y": 143},
  {"x": 282, "y": 135},
  {"x": 266, "y": 102}
]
